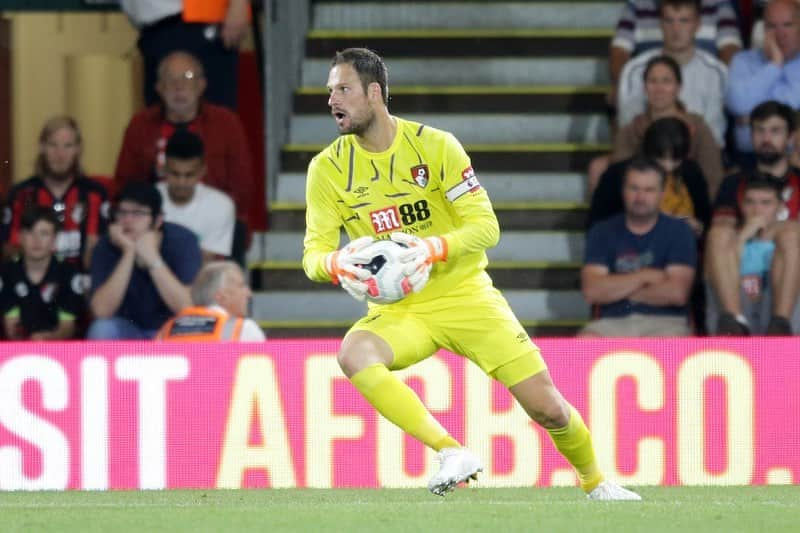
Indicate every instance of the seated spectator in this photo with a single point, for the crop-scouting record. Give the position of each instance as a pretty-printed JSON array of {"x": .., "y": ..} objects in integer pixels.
[
  {"x": 59, "y": 183},
  {"x": 771, "y": 73},
  {"x": 754, "y": 252},
  {"x": 662, "y": 77},
  {"x": 638, "y": 30},
  {"x": 41, "y": 297},
  {"x": 220, "y": 296},
  {"x": 703, "y": 77},
  {"x": 685, "y": 195},
  {"x": 640, "y": 264},
  {"x": 207, "y": 211},
  {"x": 228, "y": 162},
  {"x": 141, "y": 270},
  {"x": 772, "y": 127}
]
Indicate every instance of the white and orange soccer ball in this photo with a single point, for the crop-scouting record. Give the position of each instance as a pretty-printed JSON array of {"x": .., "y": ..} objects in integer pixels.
[{"x": 387, "y": 282}]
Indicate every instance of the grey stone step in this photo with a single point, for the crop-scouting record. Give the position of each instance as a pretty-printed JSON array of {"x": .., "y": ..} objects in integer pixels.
[
  {"x": 268, "y": 276},
  {"x": 535, "y": 216},
  {"x": 478, "y": 71},
  {"x": 514, "y": 246},
  {"x": 305, "y": 306},
  {"x": 435, "y": 15},
  {"x": 470, "y": 99},
  {"x": 481, "y": 128},
  {"x": 502, "y": 187}
]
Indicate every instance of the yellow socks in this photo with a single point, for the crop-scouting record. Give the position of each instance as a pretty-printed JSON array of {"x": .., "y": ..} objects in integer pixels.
[
  {"x": 398, "y": 403},
  {"x": 575, "y": 444}
]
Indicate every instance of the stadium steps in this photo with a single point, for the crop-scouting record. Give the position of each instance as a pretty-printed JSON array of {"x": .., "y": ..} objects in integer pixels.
[{"x": 521, "y": 84}]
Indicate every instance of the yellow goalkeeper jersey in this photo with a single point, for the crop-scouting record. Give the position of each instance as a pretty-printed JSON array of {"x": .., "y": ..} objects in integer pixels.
[{"x": 423, "y": 185}]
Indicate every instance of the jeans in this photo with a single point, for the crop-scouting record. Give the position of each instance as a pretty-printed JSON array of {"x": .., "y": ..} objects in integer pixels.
[{"x": 116, "y": 328}]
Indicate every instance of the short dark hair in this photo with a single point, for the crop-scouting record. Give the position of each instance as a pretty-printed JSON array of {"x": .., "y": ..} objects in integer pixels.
[
  {"x": 773, "y": 108},
  {"x": 369, "y": 66},
  {"x": 696, "y": 4},
  {"x": 666, "y": 137},
  {"x": 141, "y": 193},
  {"x": 668, "y": 62},
  {"x": 184, "y": 145},
  {"x": 642, "y": 163},
  {"x": 39, "y": 213},
  {"x": 765, "y": 182}
]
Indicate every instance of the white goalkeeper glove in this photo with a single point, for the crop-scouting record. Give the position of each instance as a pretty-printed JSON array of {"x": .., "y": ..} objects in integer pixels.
[
  {"x": 420, "y": 256},
  {"x": 342, "y": 267}
]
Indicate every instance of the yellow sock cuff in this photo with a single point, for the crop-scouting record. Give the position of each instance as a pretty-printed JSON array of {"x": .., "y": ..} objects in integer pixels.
[
  {"x": 365, "y": 380},
  {"x": 575, "y": 444}
]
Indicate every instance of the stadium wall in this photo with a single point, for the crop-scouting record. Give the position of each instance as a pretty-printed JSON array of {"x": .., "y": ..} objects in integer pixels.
[{"x": 101, "y": 416}]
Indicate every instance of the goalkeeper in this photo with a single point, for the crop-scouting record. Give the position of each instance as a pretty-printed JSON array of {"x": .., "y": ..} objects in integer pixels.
[{"x": 386, "y": 177}]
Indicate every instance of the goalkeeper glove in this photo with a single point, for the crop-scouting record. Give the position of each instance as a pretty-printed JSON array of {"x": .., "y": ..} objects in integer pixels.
[
  {"x": 343, "y": 267},
  {"x": 420, "y": 256}
]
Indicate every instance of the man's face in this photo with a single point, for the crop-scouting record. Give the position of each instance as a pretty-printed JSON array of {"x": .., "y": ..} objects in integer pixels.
[
  {"x": 780, "y": 19},
  {"x": 61, "y": 152},
  {"x": 679, "y": 24},
  {"x": 350, "y": 106},
  {"x": 762, "y": 203},
  {"x": 771, "y": 138},
  {"x": 182, "y": 176},
  {"x": 38, "y": 242},
  {"x": 181, "y": 85},
  {"x": 135, "y": 219},
  {"x": 642, "y": 194},
  {"x": 235, "y": 294}
]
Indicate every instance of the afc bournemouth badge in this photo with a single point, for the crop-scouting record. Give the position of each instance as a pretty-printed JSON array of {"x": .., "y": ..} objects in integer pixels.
[{"x": 420, "y": 174}]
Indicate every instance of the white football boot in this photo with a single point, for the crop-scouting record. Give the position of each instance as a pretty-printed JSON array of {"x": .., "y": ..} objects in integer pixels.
[
  {"x": 608, "y": 490},
  {"x": 456, "y": 465}
]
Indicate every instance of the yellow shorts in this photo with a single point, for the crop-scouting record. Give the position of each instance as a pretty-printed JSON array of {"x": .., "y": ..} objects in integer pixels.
[{"x": 481, "y": 327}]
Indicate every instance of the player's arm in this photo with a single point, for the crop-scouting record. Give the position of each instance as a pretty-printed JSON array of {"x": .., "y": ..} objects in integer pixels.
[
  {"x": 600, "y": 286},
  {"x": 321, "y": 259},
  {"x": 673, "y": 290}
]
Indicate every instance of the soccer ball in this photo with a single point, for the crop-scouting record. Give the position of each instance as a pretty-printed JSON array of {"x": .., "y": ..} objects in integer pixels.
[{"x": 387, "y": 284}]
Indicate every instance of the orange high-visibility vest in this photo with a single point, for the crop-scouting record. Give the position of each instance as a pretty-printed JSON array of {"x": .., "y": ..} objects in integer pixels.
[
  {"x": 201, "y": 324},
  {"x": 207, "y": 11}
]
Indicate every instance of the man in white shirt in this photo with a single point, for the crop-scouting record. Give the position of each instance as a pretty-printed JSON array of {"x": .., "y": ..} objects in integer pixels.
[
  {"x": 208, "y": 212},
  {"x": 704, "y": 76}
]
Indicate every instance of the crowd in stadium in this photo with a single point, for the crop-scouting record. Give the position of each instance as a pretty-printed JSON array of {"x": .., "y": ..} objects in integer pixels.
[{"x": 715, "y": 110}]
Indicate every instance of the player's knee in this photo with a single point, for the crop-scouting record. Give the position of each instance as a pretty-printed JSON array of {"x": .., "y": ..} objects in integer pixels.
[
  {"x": 361, "y": 349},
  {"x": 552, "y": 414}
]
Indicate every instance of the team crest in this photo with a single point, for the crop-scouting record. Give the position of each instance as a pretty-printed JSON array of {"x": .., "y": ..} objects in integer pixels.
[{"x": 420, "y": 174}]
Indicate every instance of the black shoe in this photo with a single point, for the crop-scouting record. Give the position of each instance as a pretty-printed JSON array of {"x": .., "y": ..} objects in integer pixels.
[
  {"x": 729, "y": 326},
  {"x": 779, "y": 326}
]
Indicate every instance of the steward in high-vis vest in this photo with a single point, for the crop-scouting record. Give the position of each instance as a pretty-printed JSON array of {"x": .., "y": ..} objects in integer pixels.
[{"x": 220, "y": 295}]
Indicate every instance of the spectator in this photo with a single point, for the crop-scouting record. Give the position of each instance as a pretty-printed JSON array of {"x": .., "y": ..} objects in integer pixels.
[
  {"x": 639, "y": 264},
  {"x": 41, "y": 297},
  {"x": 771, "y": 73},
  {"x": 662, "y": 77},
  {"x": 142, "y": 269},
  {"x": 685, "y": 196},
  {"x": 207, "y": 211},
  {"x": 754, "y": 252},
  {"x": 703, "y": 76},
  {"x": 772, "y": 125},
  {"x": 209, "y": 29},
  {"x": 59, "y": 183},
  {"x": 228, "y": 166},
  {"x": 220, "y": 295},
  {"x": 638, "y": 30}
]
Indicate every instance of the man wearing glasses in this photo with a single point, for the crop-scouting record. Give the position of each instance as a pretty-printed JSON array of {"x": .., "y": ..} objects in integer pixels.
[{"x": 141, "y": 271}]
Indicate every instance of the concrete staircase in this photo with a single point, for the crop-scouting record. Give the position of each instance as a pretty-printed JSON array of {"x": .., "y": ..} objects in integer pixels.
[{"x": 519, "y": 83}]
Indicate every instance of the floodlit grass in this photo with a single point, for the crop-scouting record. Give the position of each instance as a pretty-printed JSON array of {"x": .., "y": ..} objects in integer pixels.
[{"x": 705, "y": 509}]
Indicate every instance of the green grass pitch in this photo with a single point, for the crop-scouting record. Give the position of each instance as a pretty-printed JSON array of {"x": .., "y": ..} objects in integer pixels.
[{"x": 680, "y": 509}]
